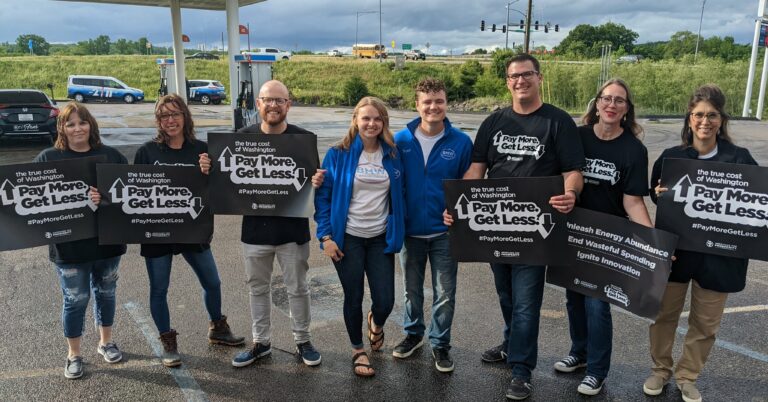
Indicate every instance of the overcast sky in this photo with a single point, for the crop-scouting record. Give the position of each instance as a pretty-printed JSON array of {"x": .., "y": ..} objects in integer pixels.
[{"x": 320, "y": 25}]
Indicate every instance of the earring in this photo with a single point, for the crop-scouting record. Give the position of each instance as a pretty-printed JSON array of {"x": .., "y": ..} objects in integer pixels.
[{"x": 597, "y": 113}]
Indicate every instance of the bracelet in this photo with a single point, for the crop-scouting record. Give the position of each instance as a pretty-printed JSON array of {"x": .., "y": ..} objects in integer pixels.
[{"x": 326, "y": 238}]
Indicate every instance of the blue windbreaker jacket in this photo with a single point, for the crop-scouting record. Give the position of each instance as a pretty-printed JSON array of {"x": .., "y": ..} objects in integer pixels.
[
  {"x": 424, "y": 195},
  {"x": 333, "y": 197}
]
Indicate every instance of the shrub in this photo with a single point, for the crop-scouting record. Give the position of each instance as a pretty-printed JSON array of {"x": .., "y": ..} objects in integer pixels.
[{"x": 354, "y": 90}]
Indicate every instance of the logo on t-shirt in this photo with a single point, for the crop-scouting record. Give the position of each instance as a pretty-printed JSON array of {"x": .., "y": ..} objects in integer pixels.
[
  {"x": 448, "y": 154},
  {"x": 158, "y": 163},
  {"x": 518, "y": 145},
  {"x": 599, "y": 169}
]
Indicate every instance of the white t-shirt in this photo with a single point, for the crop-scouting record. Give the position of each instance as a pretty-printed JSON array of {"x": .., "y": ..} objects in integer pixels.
[
  {"x": 711, "y": 154},
  {"x": 369, "y": 206},
  {"x": 427, "y": 142}
]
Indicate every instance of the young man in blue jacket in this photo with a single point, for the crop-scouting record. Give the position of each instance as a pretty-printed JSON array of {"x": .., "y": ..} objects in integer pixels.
[{"x": 432, "y": 151}]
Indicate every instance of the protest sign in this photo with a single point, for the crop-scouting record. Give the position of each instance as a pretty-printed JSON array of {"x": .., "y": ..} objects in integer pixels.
[
  {"x": 262, "y": 174},
  {"x": 47, "y": 202},
  {"x": 716, "y": 208},
  {"x": 615, "y": 260},
  {"x": 506, "y": 220},
  {"x": 153, "y": 204}
]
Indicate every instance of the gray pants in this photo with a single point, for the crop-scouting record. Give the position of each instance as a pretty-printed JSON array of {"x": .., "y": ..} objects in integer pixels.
[{"x": 259, "y": 261}]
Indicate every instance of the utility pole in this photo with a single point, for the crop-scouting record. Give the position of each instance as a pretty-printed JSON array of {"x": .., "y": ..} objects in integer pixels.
[
  {"x": 528, "y": 27},
  {"x": 698, "y": 37}
]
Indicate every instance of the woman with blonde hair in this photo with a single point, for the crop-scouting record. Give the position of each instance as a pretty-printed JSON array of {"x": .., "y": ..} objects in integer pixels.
[
  {"x": 359, "y": 210},
  {"x": 84, "y": 266}
]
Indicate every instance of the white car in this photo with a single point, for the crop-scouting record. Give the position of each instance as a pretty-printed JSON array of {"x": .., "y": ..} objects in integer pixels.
[
  {"x": 334, "y": 53},
  {"x": 279, "y": 54}
]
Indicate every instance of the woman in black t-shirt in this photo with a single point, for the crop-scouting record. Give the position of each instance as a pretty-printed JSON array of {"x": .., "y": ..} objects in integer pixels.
[
  {"x": 615, "y": 178},
  {"x": 175, "y": 144},
  {"x": 711, "y": 277},
  {"x": 83, "y": 266}
]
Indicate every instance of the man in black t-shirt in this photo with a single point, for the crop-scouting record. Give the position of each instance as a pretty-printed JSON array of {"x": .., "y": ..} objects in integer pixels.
[
  {"x": 528, "y": 139},
  {"x": 267, "y": 237}
]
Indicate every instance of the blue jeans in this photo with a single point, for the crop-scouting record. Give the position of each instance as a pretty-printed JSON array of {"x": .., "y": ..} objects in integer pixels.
[
  {"x": 159, "y": 271},
  {"x": 413, "y": 258},
  {"x": 591, "y": 328},
  {"x": 365, "y": 258},
  {"x": 77, "y": 282},
  {"x": 520, "y": 289}
]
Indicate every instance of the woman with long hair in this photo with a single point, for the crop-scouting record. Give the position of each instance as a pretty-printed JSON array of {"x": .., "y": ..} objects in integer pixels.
[
  {"x": 710, "y": 277},
  {"x": 615, "y": 182},
  {"x": 175, "y": 144},
  {"x": 359, "y": 210},
  {"x": 84, "y": 266}
]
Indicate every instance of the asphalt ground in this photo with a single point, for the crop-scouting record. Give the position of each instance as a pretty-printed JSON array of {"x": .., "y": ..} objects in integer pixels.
[{"x": 34, "y": 351}]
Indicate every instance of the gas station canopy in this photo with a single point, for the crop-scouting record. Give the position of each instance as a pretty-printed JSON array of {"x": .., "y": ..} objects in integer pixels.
[{"x": 198, "y": 4}]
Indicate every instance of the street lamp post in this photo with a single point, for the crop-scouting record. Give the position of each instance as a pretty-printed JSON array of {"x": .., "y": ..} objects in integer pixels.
[
  {"x": 506, "y": 41},
  {"x": 698, "y": 37},
  {"x": 357, "y": 18}
]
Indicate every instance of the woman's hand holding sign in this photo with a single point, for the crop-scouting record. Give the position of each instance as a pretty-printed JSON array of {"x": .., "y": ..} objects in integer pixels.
[
  {"x": 205, "y": 163},
  {"x": 95, "y": 195}
]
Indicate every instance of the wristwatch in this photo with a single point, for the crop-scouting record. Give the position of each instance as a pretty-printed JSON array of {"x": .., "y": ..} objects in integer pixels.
[{"x": 326, "y": 238}]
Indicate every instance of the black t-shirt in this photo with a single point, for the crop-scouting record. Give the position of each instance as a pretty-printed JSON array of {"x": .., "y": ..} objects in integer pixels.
[
  {"x": 542, "y": 143},
  {"x": 85, "y": 250},
  {"x": 274, "y": 230},
  {"x": 613, "y": 168},
  {"x": 155, "y": 153}
]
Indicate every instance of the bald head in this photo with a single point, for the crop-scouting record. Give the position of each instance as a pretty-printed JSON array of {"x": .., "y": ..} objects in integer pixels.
[
  {"x": 273, "y": 89},
  {"x": 273, "y": 104}
]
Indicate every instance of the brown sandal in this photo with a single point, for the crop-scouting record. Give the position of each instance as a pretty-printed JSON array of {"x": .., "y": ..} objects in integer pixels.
[
  {"x": 355, "y": 365},
  {"x": 376, "y": 338}
]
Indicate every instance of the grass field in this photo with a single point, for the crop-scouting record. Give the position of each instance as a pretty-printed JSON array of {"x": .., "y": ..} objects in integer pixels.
[{"x": 659, "y": 87}]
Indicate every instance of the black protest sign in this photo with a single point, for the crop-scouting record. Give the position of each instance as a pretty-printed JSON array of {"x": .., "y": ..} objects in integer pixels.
[
  {"x": 715, "y": 208},
  {"x": 47, "y": 202},
  {"x": 153, "y": 204},
  {"x": 615, "y": 260},
  {"x": 506, "y": 220},
  {"x": 262, "y": 174}
]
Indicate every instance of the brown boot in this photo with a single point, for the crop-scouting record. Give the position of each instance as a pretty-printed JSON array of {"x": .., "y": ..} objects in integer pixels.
[
  {"x": 170, "y": 357},
  {"x": 218, "y": 332}
]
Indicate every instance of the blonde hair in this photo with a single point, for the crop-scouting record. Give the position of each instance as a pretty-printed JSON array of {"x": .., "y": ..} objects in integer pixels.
[
  {"x": 94, "y": 141},
  {"x": 381, "y": 107}
]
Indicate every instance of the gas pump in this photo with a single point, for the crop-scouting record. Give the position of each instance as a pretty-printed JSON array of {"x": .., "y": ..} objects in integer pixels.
[
  {"x": 167, "y": 77},
  {"x": 253, "y": 70}
]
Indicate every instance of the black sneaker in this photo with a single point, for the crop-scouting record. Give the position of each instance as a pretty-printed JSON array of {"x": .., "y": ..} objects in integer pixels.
[
  {"x": 519, "y": 389},
  {"x": 570, "y": 364},
  {"x": 408, "y": 346},
  {"x": 497, "y": 354},
  {"x": 74, "y": 368},
  {"x": 308, "y": 353},
  {"x": 591, "y": 385},
  {"x": 443, "y": 361},
  {"x": 249, "y": 356}
]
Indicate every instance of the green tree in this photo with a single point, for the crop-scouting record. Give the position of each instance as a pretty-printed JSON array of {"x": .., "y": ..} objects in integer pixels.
[
  {"x": 39, "y": 45},
  {"x": 681, "y": 43},
  {"x": 587, "y": 40},
  {"x": 469, "y": 72},
  {"x": 123, "y": 46},
  {"x": 479, "y": 51},
  {"x": 499, "y": 63},
  {"x": 101, "y": 44},
  {"x": 141, "y": 45}
]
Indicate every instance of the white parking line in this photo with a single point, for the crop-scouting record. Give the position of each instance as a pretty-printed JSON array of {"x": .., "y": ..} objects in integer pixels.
[
  {"x": 742, "y": 309},
  {"x": 187, "y": 383}
]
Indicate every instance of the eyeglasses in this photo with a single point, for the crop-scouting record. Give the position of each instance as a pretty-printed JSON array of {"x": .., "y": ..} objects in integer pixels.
[
  {"x": 616, "y": 100},
  {"x": 711, "y": 116},
  {"x": 168, "y": 116},
  {"x": 273, "y": 101},
  {"x": 527, "y": 75}
]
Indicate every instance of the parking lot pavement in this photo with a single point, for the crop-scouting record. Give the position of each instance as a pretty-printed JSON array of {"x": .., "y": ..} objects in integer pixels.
[{"x": 34, "y": 351}]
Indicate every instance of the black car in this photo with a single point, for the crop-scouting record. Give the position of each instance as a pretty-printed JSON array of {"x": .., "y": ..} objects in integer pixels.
[
  {"x": 27, "y": 113},
  {"x": 203, "y": 56}
]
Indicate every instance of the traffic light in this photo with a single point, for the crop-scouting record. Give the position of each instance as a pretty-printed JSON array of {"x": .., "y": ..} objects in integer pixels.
[
  {"x": 504, "y": 29},
  {"x": 482, "y": 25},
  {"x": 546, "y": 28},
  {"x": 493, "y": 28},
  {"x": 522, "y": 23},
  {"x": 536, "y": 25},
  {"x": 557, "y": 28}
]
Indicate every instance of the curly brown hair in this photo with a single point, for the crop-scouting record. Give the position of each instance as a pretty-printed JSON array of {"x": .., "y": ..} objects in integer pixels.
[{"x": 429, "y": 85}]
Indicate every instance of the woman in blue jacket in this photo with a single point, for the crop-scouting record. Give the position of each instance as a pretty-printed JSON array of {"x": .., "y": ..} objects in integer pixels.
[
  {"x": 711, "y": 277},
  {"x": 360, "y": 215}
]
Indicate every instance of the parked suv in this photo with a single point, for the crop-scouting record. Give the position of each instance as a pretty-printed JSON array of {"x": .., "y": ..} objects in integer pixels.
[
  {"x": 279, "y": 54},
  {"x": 203, "y": 56},
  {"x": 27, "y": 113},
  {"x": 415, "y": 55},
  {"x": 86, "y": 87},
  {"x": 207, "y": 91}
]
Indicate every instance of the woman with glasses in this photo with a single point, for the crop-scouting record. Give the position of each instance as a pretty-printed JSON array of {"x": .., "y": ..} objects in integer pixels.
[
  {"x": 615, "y": 182},
  {"x": 175, "y": 144},
  {"x": 711, "y": 277},
  {"x": 359, "y": 210},
  {"x": 84, "y": 267}
]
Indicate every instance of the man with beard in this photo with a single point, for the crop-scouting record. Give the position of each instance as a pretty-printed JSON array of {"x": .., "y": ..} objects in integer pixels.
[{"x": 267, "y": 237}]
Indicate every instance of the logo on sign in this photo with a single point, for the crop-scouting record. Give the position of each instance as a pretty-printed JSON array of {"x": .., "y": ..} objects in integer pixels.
[
  {"x": 614, "y": 292},
  {"x": 505, "y": 216},
  {"x": 262, "y": 169},
  {"x": 49, "y": 197},
  {"x": 157, "y": 199},
  {"x": 728, "y": 204}
]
